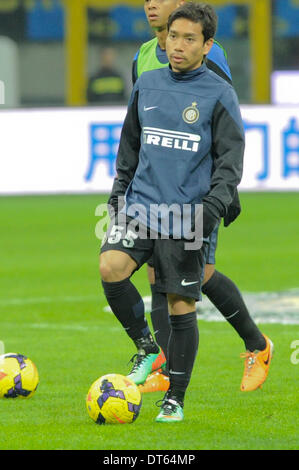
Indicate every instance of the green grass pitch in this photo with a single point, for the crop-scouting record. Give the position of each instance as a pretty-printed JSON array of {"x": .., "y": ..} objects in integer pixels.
[{"x": 52, "y": 310}]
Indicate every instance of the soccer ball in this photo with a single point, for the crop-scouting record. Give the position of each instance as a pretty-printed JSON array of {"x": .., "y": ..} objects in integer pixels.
[
  {"x": 18, "y": 376},
  {"x": 113, "y": 399}
]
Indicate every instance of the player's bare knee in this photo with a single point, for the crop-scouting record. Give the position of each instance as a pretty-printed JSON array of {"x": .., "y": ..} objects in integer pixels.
[
  {"x": 116, "y": 266},
  {"x": 151, "y": 274},
  {"x": 179, "y": 305},
  {"x": 106, "y": 269},
  {"x": 110, "y": 270}
]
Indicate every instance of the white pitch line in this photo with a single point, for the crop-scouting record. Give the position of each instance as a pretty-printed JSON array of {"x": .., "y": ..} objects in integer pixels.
[
  {"x": 47, "y": 300},
  {"x": 70, "y": 327},
  {"x": 61, "y": 327}
]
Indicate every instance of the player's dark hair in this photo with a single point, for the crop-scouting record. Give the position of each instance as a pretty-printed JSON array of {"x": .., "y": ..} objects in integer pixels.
[{"x": 197, "y": 13}]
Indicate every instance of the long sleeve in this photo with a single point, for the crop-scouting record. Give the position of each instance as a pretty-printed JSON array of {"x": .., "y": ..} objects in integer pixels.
[
  {"x": 128, "y": 152},
  {"x": 134, "y": 70},
  {"x": 228, "y": 152}
]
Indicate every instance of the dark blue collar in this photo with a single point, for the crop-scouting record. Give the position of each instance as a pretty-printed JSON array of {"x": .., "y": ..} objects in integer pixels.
[{"x": 185, "y": 76}]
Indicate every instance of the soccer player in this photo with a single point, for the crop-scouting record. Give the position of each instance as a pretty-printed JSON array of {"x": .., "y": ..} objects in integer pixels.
[
  {"x": 220, "y": 290},
  {"x": 182, "y": 141}
]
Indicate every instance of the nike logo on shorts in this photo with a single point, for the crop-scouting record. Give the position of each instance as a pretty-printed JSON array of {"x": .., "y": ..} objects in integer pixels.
[{"x": 184, "y": 283}]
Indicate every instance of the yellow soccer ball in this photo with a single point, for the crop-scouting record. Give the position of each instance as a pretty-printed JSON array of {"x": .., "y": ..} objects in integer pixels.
[
  {"x": 18, "y": 376},
  {"x": 113, "y": 399}
]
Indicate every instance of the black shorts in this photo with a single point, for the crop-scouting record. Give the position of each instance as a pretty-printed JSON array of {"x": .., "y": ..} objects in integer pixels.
[
  {"x": 150, "y": 262},
  {"x": 177, "y": 270},
  {"x": 211, "y": 249}
]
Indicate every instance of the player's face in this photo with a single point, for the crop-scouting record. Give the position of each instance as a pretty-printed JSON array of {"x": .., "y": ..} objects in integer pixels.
[
  {"x": 158, "y": 11},
  {"x": 185, "y": 45}
]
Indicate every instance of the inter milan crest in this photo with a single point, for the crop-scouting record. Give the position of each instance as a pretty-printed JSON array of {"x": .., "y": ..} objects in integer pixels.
[{"x": 191, "y": 114}]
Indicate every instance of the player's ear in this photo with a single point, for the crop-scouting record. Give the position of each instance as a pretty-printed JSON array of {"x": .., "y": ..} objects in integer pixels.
[{"x": 207, "y": 46}]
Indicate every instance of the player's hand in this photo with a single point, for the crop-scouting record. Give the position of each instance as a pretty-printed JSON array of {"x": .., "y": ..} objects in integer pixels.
[
  {"x": 209, "y": 221},
  {"x": 232, "y": 213}
]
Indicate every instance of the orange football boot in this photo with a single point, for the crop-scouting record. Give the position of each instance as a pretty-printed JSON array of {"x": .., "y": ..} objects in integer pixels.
[
  {"x": 256, "y": 368},
  {"x": 155, "y": 382},
  {"x": 159, "y": 362}
]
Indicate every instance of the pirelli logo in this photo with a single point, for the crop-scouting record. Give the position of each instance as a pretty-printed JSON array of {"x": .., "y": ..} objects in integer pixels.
[{"x": 171, "y": 139}]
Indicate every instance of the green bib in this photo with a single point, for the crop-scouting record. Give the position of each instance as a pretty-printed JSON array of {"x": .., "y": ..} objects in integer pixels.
[{"x": 147, "y": 58}]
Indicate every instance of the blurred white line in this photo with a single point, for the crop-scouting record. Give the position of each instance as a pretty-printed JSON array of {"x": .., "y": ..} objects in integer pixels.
[
  {"x": 48, "y": 300},
  {"x": 62, "y": 327}
]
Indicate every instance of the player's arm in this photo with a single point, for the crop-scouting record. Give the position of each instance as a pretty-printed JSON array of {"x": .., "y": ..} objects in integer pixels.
[
  {"x": 216, "y": 61},
  {"x": 119, "y": 187},
  {"x": 134, "y": 69},
  {"x": 228, "y": 151},
  {"x": 128, "y": 152},
  {"x": 215, "y": 68}
]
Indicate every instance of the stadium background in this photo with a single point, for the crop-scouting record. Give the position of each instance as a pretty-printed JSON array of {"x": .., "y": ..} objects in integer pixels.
[{"x": 57, "y": 155}]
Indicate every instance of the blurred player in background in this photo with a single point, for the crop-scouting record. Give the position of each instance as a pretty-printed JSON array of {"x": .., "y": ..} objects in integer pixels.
[{"x": 106, "y": 85}]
